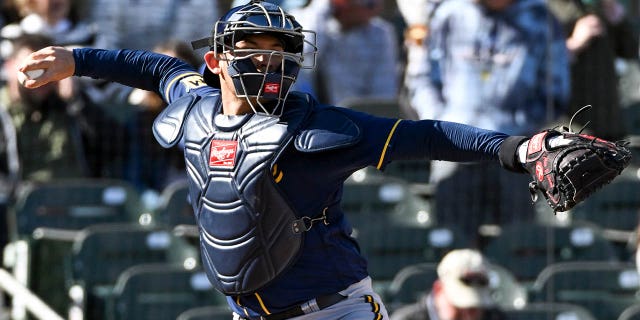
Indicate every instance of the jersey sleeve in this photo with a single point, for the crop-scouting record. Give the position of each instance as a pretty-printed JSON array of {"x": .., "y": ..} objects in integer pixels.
[
  {"x": 168, "y": 76},
  {"x": 385, "y": 140}
]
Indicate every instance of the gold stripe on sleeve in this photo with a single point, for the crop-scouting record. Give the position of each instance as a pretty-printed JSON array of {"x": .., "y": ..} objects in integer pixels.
[{"x": 386, "y": 144}]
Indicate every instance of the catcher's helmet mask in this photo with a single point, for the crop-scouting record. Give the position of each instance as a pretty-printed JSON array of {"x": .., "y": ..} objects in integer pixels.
[{"x": 267, "y": 88}]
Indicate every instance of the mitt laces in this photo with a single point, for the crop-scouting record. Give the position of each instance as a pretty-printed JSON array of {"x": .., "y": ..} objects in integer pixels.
[
  {"x": 622, "y": 143},
  {"x": 569, "y": 129}
]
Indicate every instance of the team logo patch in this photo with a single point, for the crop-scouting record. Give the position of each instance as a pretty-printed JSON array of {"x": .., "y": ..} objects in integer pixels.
[
  {"x": 223, "y": 153},
  {"x": 271, "y": 87},
  {"x": 193, "y": 82}
]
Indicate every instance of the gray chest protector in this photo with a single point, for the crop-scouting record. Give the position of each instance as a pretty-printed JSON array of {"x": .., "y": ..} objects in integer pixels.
[{"x": 249, "y": 233}]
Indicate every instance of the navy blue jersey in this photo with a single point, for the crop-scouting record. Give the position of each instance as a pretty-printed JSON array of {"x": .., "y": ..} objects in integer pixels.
[{"x": 330, "y": 259}]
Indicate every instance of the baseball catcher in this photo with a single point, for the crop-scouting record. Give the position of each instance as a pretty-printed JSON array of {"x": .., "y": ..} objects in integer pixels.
[{"x": 266, "y": 164}]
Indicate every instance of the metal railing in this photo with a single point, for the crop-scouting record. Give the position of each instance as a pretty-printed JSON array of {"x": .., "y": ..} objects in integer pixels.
[{"x": 33, "y": 304}]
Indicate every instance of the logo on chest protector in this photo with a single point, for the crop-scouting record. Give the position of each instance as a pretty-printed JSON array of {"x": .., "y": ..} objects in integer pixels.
[{"x": 223, "y": 153}]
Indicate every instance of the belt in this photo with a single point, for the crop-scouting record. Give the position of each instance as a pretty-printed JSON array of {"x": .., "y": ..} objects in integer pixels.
[{"x": 313, "y": 305}]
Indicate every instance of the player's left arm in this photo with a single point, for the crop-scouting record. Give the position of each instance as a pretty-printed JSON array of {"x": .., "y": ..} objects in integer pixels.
[
  {"x": 443, "y": 140},
  {"x": 388, "y": 140}
]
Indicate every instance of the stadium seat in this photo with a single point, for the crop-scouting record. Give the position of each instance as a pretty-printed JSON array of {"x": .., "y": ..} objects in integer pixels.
[
  {"x": 101, "y": 252},
  {"x": 46, "y": 217},
  {"x": 161, "y": 292},
  {"x": 390, "y": 247},
  {"x": 410, "y": 283},
  {"x": 414, "y": 280},
  {"x": 549, "y": 311},
  {"x": 610, "y": 276},
  {"x": 415, "y": 172},
  {"x": 526, "y": 249},
  {"x": 630, "y": 313},
  {"x": 175, "y": 208},
  {"x": 73, "y": 205},
  {"x": 604, "y": 288},
  {"x": 370, "y": 198},
  {"x": 206, "y": 313}
]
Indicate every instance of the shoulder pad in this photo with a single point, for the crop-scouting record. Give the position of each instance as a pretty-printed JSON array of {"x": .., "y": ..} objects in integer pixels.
[
  {"x": 328, "y": 129},
  {"x": 167, "y": 127}
]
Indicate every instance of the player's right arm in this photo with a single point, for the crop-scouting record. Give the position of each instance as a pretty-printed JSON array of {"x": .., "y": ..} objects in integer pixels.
[{"x": 165, "y": 75}]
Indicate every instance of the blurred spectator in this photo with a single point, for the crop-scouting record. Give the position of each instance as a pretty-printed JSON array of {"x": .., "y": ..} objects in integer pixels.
[
  {"x": 461, "y": 292},
  {"x": 60, "y": 133},
  {"x": 598, "y": 32},
  {"x": 48, "y": 139},
  {"x": 57, "y": 19},
  {"x": 502, "y": 56},
  {"x": 40, "y": 137},
  {"x": 416, "y": 15},
  {"x": 142, "y": 24},
  {"x": 496, "y": 64},
  {"x": 358, "y": 51}
]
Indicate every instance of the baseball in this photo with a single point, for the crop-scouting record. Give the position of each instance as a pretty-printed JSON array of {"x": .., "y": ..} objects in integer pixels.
[{"x": 31, "y": 74}]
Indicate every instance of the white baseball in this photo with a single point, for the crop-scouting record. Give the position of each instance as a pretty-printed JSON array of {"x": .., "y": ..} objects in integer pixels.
[{"x": 31, "y": 74}]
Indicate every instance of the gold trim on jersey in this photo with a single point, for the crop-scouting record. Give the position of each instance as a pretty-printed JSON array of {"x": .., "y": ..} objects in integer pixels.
[
  {"x": 375, "y": 307},
  {"x": 264, "y": 308},
  {"x": 386, "y": 144},
  {"x": 277, "y": 174}
]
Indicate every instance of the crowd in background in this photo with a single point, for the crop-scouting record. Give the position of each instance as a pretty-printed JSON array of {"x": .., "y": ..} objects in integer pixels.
[
  {"x": 497, "y": 64},
  {"x": 517, "y": 66}
]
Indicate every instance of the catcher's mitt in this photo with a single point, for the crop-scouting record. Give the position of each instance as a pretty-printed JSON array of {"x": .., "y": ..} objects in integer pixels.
[{"x": 573, "y": 166}]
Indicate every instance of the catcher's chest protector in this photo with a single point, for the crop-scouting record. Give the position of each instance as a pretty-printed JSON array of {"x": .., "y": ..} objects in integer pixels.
[{"x": 247, "y": 228}]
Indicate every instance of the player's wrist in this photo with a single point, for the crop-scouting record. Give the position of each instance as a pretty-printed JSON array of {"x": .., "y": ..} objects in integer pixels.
[{"x": 509, "y": 153}]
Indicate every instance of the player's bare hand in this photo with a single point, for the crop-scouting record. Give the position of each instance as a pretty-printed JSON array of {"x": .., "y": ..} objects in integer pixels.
[{"x": 57, "y": 63}]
